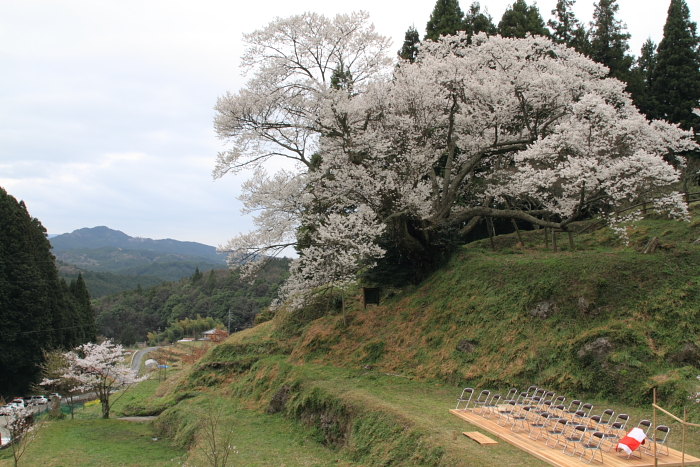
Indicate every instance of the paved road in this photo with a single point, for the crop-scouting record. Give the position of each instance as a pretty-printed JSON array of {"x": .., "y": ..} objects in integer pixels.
[
  {"x": 4, "y": 434},
  {"x": 136, "y": 359}
]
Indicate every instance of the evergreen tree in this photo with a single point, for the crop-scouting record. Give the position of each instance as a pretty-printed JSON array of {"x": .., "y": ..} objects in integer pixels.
[
  {"x": 445, "y": 20},
  {"x": 128, "y": 337},
  {"x": 519, "y": 20},
  {"x": 641, "y": 78},
  {"x": 71, "y": 333},
  {"x": 85, "y": 315},
  {"x": 411, "y": 41},
  {"x": 475, "y": 21},
  {"x": 35, "y": 311},
  {"x": 342, "y": 79},
  {"x": 566, "y": 29},
  {"x": 196, "y": 277},
  {"x": 609, "y": 40},
  {"x": 675, "y": 79},
  {"x": 211, "y": 282}
]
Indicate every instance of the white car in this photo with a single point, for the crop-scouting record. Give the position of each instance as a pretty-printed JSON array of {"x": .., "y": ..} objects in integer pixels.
[{"x": 38, "y": 400}]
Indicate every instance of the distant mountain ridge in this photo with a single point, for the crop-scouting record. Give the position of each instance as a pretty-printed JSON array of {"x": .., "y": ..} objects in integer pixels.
[
  {"x": 112, "y": 260},
  {"x": 100, "y": 237}
]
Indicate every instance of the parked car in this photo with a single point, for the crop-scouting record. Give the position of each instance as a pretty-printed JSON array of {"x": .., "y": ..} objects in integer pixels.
[
  {"x": 54, "y": 394},
  {"x": 20, "y": 401},
  {"x": 38, "y": 400}
]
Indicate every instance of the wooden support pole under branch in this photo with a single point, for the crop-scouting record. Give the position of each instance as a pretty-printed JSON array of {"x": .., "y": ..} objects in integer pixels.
[
  {"x": 517, "y": 231},
  {"x": 489, "y": 226},
  {"x": 515, "y": 225},
  {"x": 651, "y": 246}
]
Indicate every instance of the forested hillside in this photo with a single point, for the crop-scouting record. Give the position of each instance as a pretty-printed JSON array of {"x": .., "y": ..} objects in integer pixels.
[
  {"x": 101, "y": 283},
  {"x": 99, "y": 237},
  {"x": 135, "y": 262},
  {"x": 111, "y": 261},
  {"x": 38, "y": 310},
  {"x": 130, "y": 315}
]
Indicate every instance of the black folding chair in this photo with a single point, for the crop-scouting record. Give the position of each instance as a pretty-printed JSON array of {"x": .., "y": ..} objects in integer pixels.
[
  {"x": 490, "y": 405},
  {"x": 481, "y": 400},
  {"x": 573, "y": 407},
  {"x": 606, "y": 419},
  {"x": 539, "y": 425},
  {"x": 556, "y": 432},
  {"x": 574, "y": 438},
  {"x": 593, "y": 423},
  {"x": 507, "y": 412},
  {"x": 522, "y": 418},
  {"x": 465, "y": 397},
  {"x": 659, "y": 438},
  {"x": 612, "y": 434},
  {"x": 511, "y": 396},
  {"x": 593, "y": 444}
]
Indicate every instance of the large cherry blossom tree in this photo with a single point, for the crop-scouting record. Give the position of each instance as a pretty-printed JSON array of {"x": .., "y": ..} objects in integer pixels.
[
  {"x": 468, "y": 127},
  {"x": 489, "y": 128}
]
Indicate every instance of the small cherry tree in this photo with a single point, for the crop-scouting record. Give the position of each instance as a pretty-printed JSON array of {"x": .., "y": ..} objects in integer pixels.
[
  {"x": 52, "y": 370},
  {"x": 19, "y": 421},
  {"x": 99, "y": 368}
]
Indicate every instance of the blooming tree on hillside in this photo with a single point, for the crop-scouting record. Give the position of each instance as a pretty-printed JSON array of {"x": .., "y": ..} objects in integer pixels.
[
  {"x": 54, "y": 367},
  {"x": 294, "y": 63},
  {"x": 466, "y": 126},
  {"x": 490, "y": 127},
  {"x": 19, "y": 421},
  {"x": 298, "y": 64},
  {"x": 99, "y": 368},
  {"x": 331, "y": 260}
]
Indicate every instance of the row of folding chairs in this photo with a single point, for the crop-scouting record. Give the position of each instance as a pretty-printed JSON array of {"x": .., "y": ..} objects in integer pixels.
[{"x": 545, "y": 416}]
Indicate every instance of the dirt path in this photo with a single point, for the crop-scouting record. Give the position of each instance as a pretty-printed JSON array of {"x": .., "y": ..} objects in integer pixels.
[{"x": 138, "y": 419}]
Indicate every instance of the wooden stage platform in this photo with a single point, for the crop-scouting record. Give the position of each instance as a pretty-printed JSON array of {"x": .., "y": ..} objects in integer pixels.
[{"x": 557, "y": 458}]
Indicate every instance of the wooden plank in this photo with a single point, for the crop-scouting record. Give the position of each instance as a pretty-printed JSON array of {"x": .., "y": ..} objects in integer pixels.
[
  {"x": 479, "y": 438},
  {"x": 555, "y": 457}
]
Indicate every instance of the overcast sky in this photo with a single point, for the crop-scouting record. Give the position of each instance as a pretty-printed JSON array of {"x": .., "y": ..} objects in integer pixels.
[{"x": 106, "y": 106}]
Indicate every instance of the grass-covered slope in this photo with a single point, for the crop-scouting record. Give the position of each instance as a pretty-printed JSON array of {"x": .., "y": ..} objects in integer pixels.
[{"x": 602, "y": 321}]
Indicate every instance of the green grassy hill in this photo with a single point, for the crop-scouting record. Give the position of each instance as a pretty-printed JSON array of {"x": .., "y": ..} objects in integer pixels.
[{"x": 603, "y": 321}]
